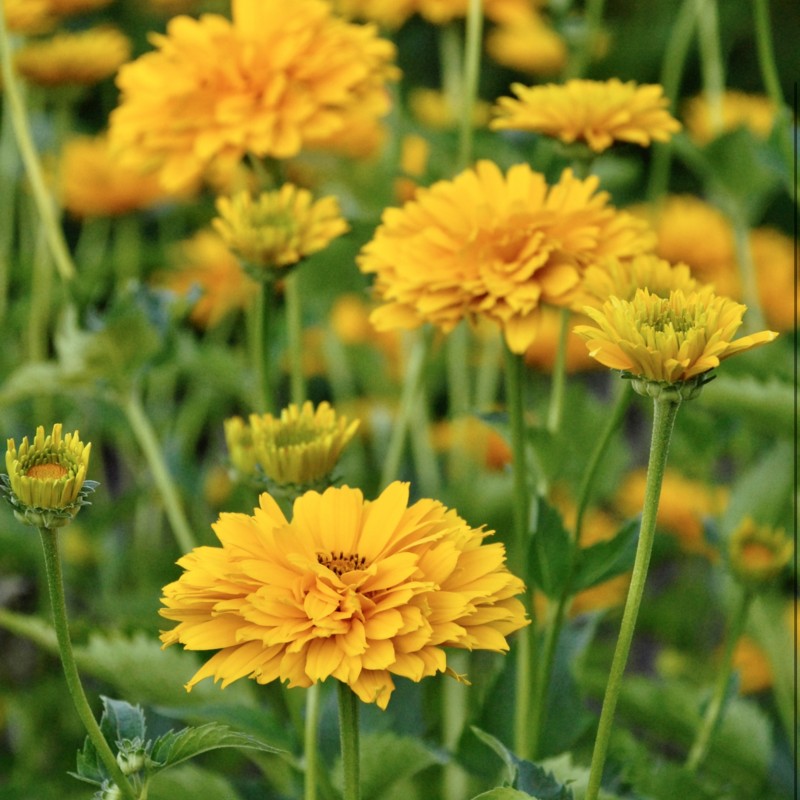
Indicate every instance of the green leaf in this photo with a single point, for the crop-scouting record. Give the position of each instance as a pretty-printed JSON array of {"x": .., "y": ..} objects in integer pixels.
[
  {"x": 121, "y": 720},
  {"x": 607, "y": 559},
  {"x": 190, "y": 782},
  {"x": 502, "y": 793},
  {"x": 174, "y": 747},
  {"x": 549, "y": 551}
]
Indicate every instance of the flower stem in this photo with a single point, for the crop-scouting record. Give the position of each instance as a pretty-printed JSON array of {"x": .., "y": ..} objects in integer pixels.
[
  {"x": 558, "y": 384},
  {"x": 665, "y": 411},
  {"x": 711, "y": 61},
  {"x": 348, "y": 739},
  {"x": 472, "y": 68},
  {"x": 55, "y": 585},
  {"x": 310, "y": 741},
  {"x": 259, "y": 317},
  {"x": 146, "y": 437},
  {"x": 593, "y": 16},
  {"x": 30, "y": 158},
  {"x": 713, "y": 714},
  {"x": 294, "y": 338},
  {"x": 766, "y": 54}
]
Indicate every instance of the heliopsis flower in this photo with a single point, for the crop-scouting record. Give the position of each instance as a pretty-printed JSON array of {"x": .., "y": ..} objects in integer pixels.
[
  {"x": 29, "y": 17},
  {"x": 752, "y": 666},
  {"x": 667, "y": 341},
  {"x": 46, "y": 481},
  {"x": 758, "y": 553},
  {"x": 204, "y": 265},
  {"x": 775, "y": 256},
  {"x": 298, "y": 449},
  {"x": 279, "y": 78},
  {"x": 434, "y": 109},
  {"x": 94, "y": 184},
  {"x": 491, "y": 245},
  {"x": 74, "y": 59},
  {"x": 472, "y": 437},
  {"x": 351, "y": 589},
  {"x": 279, "y": 228},
  {"x": 528, "y": 45},
  {"x": 543, "y": 350},
  {"x": 737, "y": 110},
  {"x": 596, "y": 112},
  {"x": 394, "y": 13}
]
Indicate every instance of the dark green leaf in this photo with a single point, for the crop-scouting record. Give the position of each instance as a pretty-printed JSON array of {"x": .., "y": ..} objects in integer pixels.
[
  {"x": 121, "y": 720},
  {"x": 549, "y": 551},
  {"x": 605, "y": 560},
  {"x": 502, "y": 793}
]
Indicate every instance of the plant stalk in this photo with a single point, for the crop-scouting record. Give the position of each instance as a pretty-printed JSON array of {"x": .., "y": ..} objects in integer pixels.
[{"x": 348, "y": 739}]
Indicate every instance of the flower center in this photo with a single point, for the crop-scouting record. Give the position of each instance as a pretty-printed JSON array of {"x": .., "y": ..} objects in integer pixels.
[
  {"x": 302, "y": 434},
  {"x": 341, "y": 563},
  {"x": 756, "y": 555},
  {"x": 43, "y": 472}
]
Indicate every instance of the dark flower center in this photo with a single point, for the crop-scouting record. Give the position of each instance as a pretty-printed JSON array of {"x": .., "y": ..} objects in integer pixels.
[{"x": 341, "y": 563}]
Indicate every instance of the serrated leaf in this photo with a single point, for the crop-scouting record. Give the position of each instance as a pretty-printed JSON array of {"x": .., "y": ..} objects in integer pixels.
[
  {"x": 607, "y": 559},
  {"x": 121, "y": 720},
  {"x": 175, "y": 747},
  {"x": 549, "y": 551}
]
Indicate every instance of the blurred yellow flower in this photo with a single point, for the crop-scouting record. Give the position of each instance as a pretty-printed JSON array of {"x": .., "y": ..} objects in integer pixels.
[
  {"x": 280, "y": 78},
  {"x": 667, "y": 340},
  {"x": 491, "y": 245},
  {"x": 29, "y": 17},
  {"x": 94, "y": 184},
  {"x": 73, "y": 59},
  {"x": 758, "y": 553},
  {"x": 528, "y": 45},
  {"x": 204, "y": 264},
  {"x": 752, "y": 666},
  {"x": 351, "y": 589},
  {"x": 738, "y": 110},
  {"x": 776, "y": 257},
  {"x": 683, "y": 507},
  {"x": 474, "y": 438},
  {"x": 433, "y": 109},
  {"x": 393, "y": 13},
  {"x": 543, "y": 350},
  {"x": 596, "y": 112},
  {"x": 277, "y": 229}
]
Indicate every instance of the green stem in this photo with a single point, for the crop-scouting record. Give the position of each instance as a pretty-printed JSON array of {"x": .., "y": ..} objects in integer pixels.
[
  {"x": 593, "y": 17},
  {"x": 30, "y": 158},
  {"x": 294, "y": 338},
  {"x": 713, "y": 714},
  {"x": 559, "y": 378},
  {"x": 711, "y": 61},
  {"x": 41, "y": 297},
  {"x": 259, "y": 317},
  {"x": 348, "y": 739},
  {"x": 55, "y": 585},
  {"x": 146, "y": 437},
  {"x": 766, "y": 54},
  {"x": 458, "y": 395},
  {"x": 472, "y": 69},
  {"x": 126, "y": 252},
  {"x": 665, "y": 411},
  {"x": 488, "y": 373},
  {"x": 311, "y": 736},
  {"x": 455, "y": 712},
  {"x": 556, "y": 622},
  {"x": 747, "y": 271}
]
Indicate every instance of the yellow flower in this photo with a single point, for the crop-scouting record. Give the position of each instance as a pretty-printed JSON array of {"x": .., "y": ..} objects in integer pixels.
[
  {"x": 596, "y": 112},
  {"x": 279, "y": 228},
  {"x": 752, "y": 665},
  {"x": 491, "y": 245},
  {"x": 299, "y": 448},
  {"x": 433, "y": 109},
  {"x": 528, "y": 45},
  {"x": 74, "y": 59},
  {"x": 393, "y": 13},
  {"x": 206, "y": 265},
  {"x": 94, "y": 184},
  {"x": 280, "y": 78},
  {"x": 738, "y": 109},
  {"x": 758, "y": 553},
  {"x": 474, "y": 438},
  {"x": 543, "y": 350},
  {"x": 775, "y": 256},
  {"x": 46, "y": 481},
  {"x": 29, "y": 16},
  {"x": 350, "y": 589},
  {"x": 667, "y": 341}
]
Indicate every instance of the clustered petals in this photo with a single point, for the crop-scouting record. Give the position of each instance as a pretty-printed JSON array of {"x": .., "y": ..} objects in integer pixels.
[{"x": 350, "y": 589}]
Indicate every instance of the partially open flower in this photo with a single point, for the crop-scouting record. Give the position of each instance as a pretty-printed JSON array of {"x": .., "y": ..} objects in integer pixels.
[
  {"x": 758, "y": 553},
  {"x": 46, "y": 481}
]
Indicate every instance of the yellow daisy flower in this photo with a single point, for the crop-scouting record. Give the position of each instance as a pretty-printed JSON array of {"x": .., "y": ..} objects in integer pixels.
[
  {"x": 775, "y": 256},
  {"x": 528, "y": 45},
  {"x": 668, "y": 340},
  {"x": 394, "y": 13},
  {"x": 74, "y": 59},
  {"x": 596, "y": 112},
  {"x": 279, "y": 78},
  {"x": 758, "y": 553},
  {"x": 279, "y": 228},
  {"x": 491, "y": 245},
  {"x": 752, "y": 666},
  {"x": 739, "y": 110},
  {"x": 29, "y": 17},
  {"x": 355, "y": 590},
  {"x": 433, "y": 109}
]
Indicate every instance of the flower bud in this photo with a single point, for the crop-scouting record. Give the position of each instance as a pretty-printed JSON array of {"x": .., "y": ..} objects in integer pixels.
[{"x": 758, "y": 553}]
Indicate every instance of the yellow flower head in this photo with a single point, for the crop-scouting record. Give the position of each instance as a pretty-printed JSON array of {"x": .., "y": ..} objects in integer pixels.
[
  {"x": 543, "y": 351},
  {"x": 596, "y": 112},
  {"x": 280, "y": 78},
  {"x": 29, "y": 17},
  {"x": 74, "y": 59},
  {"x": 206, "y": 266},
  {"x": 277, "y": 229},
  {"x": 393, "y": 13},
  {"x": 738, "y": 110},
  {"x": 491, "y": 245},
  {"x": 528, "y": 45},
  {"x": 758, "y": 553},
  {"x": 351, "y": 589},
  {"x": 434, "y": 109},
  {"x": 775, "y": 255},
  {"x": 46, "y": 481},
  {"x": 666, "y": 341},
  {"x": 299, "y": 448}
]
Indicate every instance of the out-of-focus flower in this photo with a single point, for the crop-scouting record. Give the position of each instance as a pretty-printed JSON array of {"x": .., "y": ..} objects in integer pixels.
[
  {"x": 598, "y": 113},
  {"x": 393, "y": 13},
  {"x": 66, "y": 8},
  {"x": 280, "y": 78},
  {"x": 683, "y": 507},
  {"x": 204, "y": 264},
  {"x": 527, "y": 44},
  {"x": 46, "y": 478},
  {"x": 73, "y": 59},
  {"x": 752, "y": 666},
  {"x": 668, "y": 341},
  {"x": 737, "y": 110},
  {"x": 476, "y": 439},
  {"x": 277, "y": 229},
  {"x": 298, "y": 449},
  {"x": 491, "y": 245},
  {"x": 758, "y": 553},
  {"x": 433, "y": 109},
  {"x": 775, "y": 257},
  {"x": 29, "y": 17},
  {"x": 544, "y": 349},
  {"x": 355, "y": 590},
  {"x": 94, "y": 184}
]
